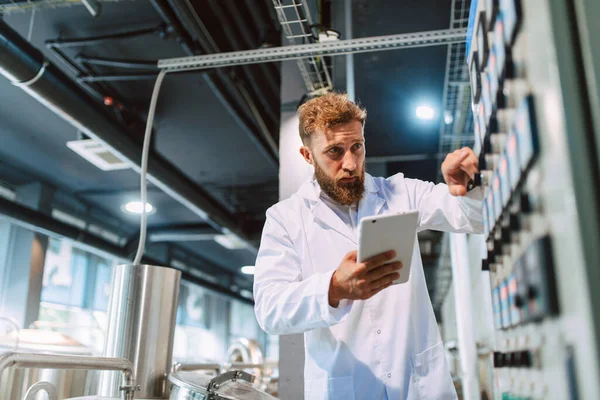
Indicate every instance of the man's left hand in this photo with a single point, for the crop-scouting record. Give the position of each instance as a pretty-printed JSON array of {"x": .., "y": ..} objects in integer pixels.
[{"x": 458, "y": 169}]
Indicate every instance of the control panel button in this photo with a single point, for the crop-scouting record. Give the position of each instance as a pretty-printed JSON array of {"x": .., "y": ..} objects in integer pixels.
[
  {"x": 522, "y": 291},
  {"x": 486, "y": 97},
  {"x": 497, "y": 308},
  {"x": 504, "y": 305},
  {"x": 499, "y": 47},
  {"x": 512, "y": 155},
  {"x": 505, "y": 187},
  {"x": 491, "y": 210},
  {"x": 514, "y": 222},
  {"x": 525, "y": 359},
  {"x": 498, "y": 359},
  {"x": 542, "y": 294},
  {"x": 515, "y": 315},
  {"x": 519, "y": 301},
  {"x": 498, "y": 202},
  {"x": 526, "y": 130},
  {"x": 525, "y": 203}
]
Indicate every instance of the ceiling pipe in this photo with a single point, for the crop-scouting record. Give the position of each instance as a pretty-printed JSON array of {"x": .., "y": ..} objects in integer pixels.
[
  {"x": 38, "y": 222},
  {"x": 25, "y": 66}
]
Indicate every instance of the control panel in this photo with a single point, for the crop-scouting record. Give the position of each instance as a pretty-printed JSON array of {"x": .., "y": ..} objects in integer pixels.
[{"x": 533, "y": 358}]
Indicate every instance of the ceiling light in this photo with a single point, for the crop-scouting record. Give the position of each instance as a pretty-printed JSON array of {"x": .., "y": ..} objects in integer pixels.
[
  {"x": 448, "y": 118},
  {"x": 425, "y": 112},
  {"x": 248, "y": 270},
  {"x": 135, "y": 207},
  {"x": 230, "y": 241}
]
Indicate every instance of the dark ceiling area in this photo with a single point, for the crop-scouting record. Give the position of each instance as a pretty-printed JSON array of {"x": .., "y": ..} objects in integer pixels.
[
  {"x": 216, "y": 127},
  {"x": 393, "y": 83}
]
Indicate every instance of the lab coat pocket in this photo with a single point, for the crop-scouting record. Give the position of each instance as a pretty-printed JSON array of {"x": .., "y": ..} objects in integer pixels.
[
  {"x": 431, "y": 374},
  {"x": 329, "y": 388}
]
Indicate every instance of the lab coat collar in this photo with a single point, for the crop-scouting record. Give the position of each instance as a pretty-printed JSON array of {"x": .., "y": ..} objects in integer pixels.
[{"x": 371, "y": 204}]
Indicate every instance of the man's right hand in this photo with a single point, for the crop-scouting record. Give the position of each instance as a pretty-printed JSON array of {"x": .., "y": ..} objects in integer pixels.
[{"x": 361, "y": 281}]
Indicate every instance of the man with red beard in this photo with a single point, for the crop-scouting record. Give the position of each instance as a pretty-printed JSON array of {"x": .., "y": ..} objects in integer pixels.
[{"x": 364, "y": 337}]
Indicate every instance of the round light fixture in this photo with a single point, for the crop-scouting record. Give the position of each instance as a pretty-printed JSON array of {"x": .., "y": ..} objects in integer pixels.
[
  {"x": 448, "y": 118},
  {"x": 135, "y": 207},
  {"x": 425, "y": 112},
  {"x": 248, "y": 270}
]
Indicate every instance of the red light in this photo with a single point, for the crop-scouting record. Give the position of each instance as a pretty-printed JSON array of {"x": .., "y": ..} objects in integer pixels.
[{"x": 108, "y": 101}]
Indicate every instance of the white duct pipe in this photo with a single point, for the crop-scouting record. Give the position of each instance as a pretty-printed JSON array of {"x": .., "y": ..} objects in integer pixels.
[
  {"x": 350, "y": 57},
  {"x": 467, "y": 347}
]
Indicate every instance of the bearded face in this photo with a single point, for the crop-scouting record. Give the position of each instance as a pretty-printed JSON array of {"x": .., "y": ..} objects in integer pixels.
[
  {"x": 346, "y": 189},
  {"x": 337, "y": 154}
]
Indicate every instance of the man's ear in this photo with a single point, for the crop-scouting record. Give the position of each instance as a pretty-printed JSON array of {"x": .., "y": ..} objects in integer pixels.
[{"x": 305, "y": 151}]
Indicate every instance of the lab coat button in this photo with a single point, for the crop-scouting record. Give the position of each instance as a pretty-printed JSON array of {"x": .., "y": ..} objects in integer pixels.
[
  {"x": 389, "y": 375},
  {"x": 379, "y": 331}
]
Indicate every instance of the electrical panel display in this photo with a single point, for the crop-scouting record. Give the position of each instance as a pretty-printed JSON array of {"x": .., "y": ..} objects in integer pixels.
[{"x": 523, "y": 272}]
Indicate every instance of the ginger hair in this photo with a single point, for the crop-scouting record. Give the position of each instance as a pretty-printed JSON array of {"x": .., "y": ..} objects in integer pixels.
[{"x": 328, "y": 111}]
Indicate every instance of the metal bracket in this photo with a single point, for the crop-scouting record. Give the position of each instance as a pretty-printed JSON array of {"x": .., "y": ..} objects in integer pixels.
[
  {"x": 378, "y": 43},
  {"x": 216, "y": 382}
]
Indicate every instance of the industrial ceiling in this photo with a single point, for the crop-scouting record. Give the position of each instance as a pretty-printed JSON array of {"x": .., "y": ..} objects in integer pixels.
[{"x": 215, "y": 129}]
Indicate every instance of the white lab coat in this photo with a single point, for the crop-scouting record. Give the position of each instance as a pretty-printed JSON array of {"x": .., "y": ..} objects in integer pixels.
[{"x": 388, "y": 346}]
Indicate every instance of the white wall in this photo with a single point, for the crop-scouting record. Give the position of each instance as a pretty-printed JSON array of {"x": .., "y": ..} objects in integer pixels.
[{"x": 293, "y": 170}]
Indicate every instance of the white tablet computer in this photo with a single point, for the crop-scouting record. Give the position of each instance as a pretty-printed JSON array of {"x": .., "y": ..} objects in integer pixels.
[{"x": 381, "y": 233}]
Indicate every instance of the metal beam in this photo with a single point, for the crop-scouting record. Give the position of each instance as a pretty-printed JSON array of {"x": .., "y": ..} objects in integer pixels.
[
  {"x": 363, "y": 45},
  {"x": 117, "y": 77},
  {"x": 21, "y": 62},
  {"x": 96, "y": 40},
  {"x": 117, "y": 63}
]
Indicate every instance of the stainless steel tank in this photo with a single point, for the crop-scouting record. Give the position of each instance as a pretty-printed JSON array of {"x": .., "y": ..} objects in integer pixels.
[{"x": 141, "y": 326}]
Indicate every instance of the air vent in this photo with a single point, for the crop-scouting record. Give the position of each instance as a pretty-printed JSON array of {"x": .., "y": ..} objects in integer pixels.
[{"x": 97, "y": 154}]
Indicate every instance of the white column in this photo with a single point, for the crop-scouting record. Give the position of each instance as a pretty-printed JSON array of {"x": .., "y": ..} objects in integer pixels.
[
  {"x": 293, "y": 171},
  {"x": 467, "y": 347}
]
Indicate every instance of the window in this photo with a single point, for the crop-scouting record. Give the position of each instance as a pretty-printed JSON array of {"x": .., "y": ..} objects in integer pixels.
[
  {"x": 75, "y": 293},
  {"x": 201, "y": 330}
]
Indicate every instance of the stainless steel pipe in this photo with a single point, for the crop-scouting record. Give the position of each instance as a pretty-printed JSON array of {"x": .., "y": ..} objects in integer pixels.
[
  {"x": 54, "y": 361},
  {"x": 141, "y": 326}
]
